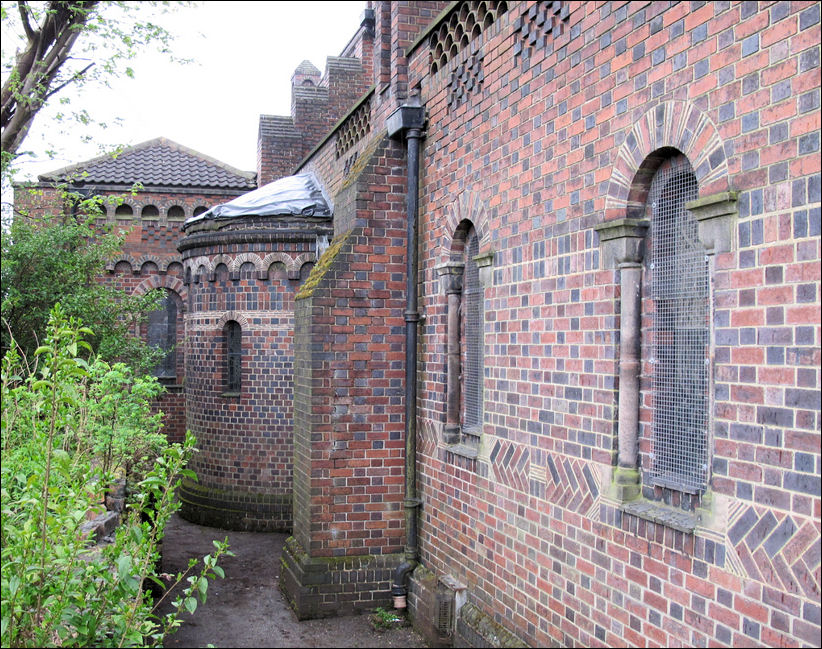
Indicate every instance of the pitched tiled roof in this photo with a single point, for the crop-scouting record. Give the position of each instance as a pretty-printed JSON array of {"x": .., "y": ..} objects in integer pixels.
[{"x": 157, "y": 163}]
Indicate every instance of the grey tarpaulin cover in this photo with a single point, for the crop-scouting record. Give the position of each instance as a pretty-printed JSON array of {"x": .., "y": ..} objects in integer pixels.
[{"x": 299, "y": 195}]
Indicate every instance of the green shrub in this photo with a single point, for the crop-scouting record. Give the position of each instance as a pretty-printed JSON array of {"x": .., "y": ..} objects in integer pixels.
[{"x": 69, "y": 427}]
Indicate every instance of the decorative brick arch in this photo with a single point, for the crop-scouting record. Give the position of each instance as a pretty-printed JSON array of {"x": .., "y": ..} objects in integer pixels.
[
  {"x": 299, "y": 262},
  {"x": 221, "y": 259},
  {"x": 126, "y": 258},
  {"x": 232, "y": 315},
  {"x": 241, "y": 259},
  {"x": 163, "y": 281},
  {"x": 671, "y": 125},
  {"x": 273, "y": 258},
  {"x": 149, "y": 258},
  {"x": 201, "y": 261},
  {"x": 468, "y": 207}
]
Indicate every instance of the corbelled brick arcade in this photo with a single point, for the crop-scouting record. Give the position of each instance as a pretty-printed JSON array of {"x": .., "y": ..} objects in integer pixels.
[{"x": 553, "y": 378}]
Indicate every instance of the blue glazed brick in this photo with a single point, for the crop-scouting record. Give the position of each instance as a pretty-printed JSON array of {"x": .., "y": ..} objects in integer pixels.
[
  {"x": 809, "y": 17},
  {"x": 750, "y": 45}
]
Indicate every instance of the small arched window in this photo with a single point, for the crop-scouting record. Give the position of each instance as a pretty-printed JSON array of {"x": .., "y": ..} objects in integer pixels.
[
  {"x": 176, "y": 213},
  {"x": 465, "y": 327},
  {"x": 124, "y": 211},
  {"x": 233, "y": 350},
  {"x": 162, "y": 333}
]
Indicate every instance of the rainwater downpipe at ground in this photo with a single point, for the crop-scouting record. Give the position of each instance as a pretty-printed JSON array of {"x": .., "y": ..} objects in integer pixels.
[{"x": 408, "y": 121}]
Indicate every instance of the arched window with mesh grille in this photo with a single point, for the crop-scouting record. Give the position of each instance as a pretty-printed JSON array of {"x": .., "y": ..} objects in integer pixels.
[
  {"x": 677, "y": 324},
  {"x": 472, "y": 342},
  {"x": 162, "y": 334},
  {"x": 233, "y": 351}
]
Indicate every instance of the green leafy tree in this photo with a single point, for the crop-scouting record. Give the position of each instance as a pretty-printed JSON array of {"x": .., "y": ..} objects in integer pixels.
[{"x": 60, "y": 258}]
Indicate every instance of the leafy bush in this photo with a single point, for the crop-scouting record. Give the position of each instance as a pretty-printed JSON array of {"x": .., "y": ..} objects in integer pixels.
[
  {"x": 69, "y": 426},
  {"x": 32, "y": 282}
]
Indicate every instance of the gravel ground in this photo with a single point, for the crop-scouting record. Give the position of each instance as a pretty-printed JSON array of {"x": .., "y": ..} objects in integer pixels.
[{"x": 246, "y": 609}]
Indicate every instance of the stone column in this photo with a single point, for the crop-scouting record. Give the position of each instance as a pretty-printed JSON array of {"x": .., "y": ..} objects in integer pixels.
[
  {"x": 622, "y": 245},
  {"x": 451, "y": 278}
]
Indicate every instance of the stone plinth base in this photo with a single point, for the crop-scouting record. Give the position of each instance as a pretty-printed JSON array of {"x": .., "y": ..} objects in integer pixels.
[
  {"x": 234, "y": 510},
  {"x": 318, "y": 587}
]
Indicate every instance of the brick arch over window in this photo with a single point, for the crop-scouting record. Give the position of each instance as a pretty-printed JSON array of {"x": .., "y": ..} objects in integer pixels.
[
  {"x": 468, "y": 208},
  {"x": 232, "y": 315},
  {"x": 127, "y": 259},
  {"x": 163, "y": 281},
  {"x": 246, "y": 257},
  {"x": 671, "y": 125},
  {"x": 198, "y": 262},
  {"x": 273, "y": 258}
]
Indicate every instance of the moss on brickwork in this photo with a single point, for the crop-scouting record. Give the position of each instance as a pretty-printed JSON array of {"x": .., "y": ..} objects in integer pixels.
[
  {"x": 481, "y": 631},
  {"x": 363, "y": 159},
  {"x": 234, "y": 510},
  {"x": 322, "y": 266}
]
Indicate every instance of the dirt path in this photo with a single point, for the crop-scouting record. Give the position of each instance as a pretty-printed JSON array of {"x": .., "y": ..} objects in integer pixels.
[{"x": 246, "y": 609}]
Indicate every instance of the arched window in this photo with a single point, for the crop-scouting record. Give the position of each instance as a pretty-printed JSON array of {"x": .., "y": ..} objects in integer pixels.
[
  {"x": 162, "y": 333},
  {"x": 176, "y": 213},
  {"x": 678, "y": 310},
  {"x": 465, "y": 342},
  {"x": 471, "y": 340},
  {"x": 233, "y": 351},
  {"x": 150, "y": 212},
  {"x": 124, "y": 211}
]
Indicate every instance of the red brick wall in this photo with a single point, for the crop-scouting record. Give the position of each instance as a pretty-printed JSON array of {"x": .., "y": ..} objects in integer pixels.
[
  {"x": 545, "y": 144},
  {"x": 349, "y": 361}
]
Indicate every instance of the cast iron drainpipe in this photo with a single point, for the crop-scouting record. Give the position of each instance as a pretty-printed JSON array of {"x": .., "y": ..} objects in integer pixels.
[{"x": 409, "y": 120}]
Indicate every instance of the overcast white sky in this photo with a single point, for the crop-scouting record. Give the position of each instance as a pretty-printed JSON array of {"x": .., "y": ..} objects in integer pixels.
[{"x": 244, "y": 55}]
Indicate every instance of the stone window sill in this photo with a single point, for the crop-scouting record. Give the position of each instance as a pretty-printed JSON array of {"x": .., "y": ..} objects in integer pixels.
[
  {"x": 469, "y": 451},
  {"x": 676, "y": 519},
  {"x": 228, "y": 395}
]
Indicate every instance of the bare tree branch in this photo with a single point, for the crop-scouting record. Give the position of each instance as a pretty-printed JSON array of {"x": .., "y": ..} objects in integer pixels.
[
  {"x": 23, "y": 7},
  {"x": 30, "y": 83}
]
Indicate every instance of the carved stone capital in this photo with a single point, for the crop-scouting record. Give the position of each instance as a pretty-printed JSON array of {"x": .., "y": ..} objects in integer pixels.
[
  {"x": 716, "y": 217},
  {"x": 621, "y": 241},
  {"x": 485, "y": 262},
  {"x": 450, "y": 274}
]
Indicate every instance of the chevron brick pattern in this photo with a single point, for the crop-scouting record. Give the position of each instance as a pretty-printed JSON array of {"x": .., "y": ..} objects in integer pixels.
[
  {"x": 511, "y": 464},
  {"x": 775, "y": 548},
  {"x": 427, "y": 438},
  {"x": 571, "y": 483}
]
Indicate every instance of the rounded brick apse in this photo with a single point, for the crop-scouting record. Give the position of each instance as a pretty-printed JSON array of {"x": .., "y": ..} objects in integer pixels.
[{"x": 241, "y": 277}]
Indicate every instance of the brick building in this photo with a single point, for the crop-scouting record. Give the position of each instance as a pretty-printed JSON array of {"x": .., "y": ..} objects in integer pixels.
[
  {"x": 611, "y": 408},
  {"x": 148, "y": 192},
  {"x": 584, "y": 409}
]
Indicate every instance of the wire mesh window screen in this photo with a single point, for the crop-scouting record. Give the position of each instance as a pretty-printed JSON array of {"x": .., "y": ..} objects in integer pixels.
[
  {"x": 681, "y": 326},
  {"x": 234, "y": 356},
  {"x": 162, "y": 333},
  {"x": 473, "y": 340}
]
